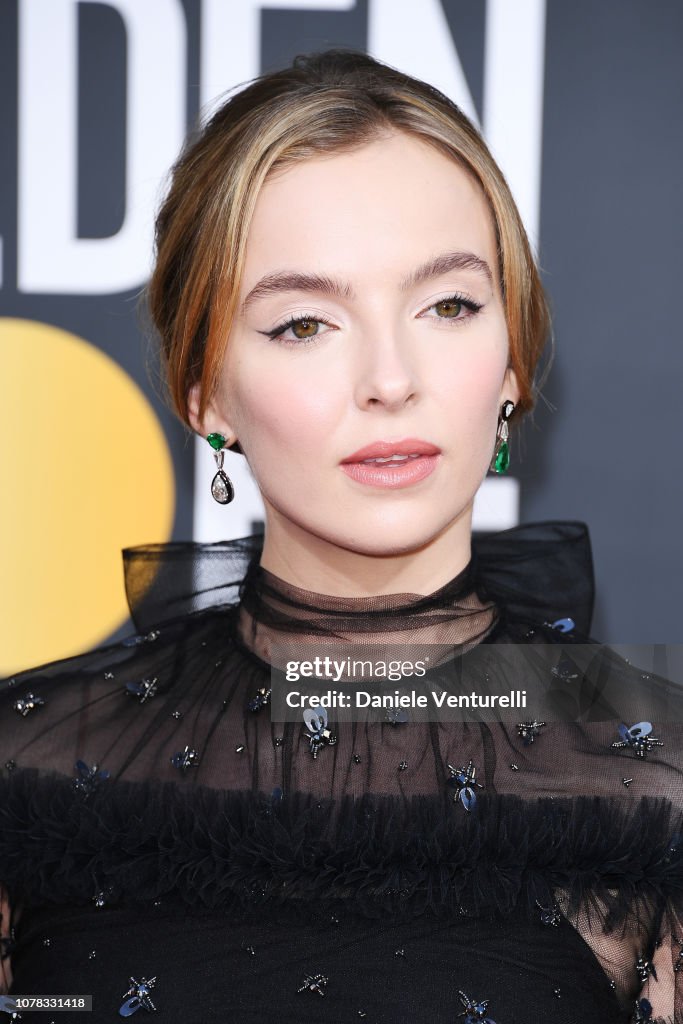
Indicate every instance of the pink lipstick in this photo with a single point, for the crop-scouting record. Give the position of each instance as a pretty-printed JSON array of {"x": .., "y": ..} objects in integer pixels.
[{"x": 392, "y": 463}]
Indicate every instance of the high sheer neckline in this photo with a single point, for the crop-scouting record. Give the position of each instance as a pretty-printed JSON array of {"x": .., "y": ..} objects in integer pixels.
[
  {"x": 274, "y": 610},
  {"x": 533, "y": 571},
  {"x": 276, "y": 587}
]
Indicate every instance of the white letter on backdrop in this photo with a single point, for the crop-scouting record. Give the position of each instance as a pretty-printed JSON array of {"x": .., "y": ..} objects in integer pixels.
[
  {"x": 416, "y": 38},
  {"x": 231, "y": 41},
  {"x": 51, "y": 258}
]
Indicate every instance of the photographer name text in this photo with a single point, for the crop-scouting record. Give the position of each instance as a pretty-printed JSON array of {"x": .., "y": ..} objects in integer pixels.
[{"x": 397, "y": 700}]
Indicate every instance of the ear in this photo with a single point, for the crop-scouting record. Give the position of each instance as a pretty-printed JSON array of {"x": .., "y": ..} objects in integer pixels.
[
  {"x": 510, "y": 388},
  {"x": 213, "y": 421}
]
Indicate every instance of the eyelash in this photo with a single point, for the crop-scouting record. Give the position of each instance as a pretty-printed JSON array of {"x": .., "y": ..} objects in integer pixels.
[{"x": 275, "y": 334}]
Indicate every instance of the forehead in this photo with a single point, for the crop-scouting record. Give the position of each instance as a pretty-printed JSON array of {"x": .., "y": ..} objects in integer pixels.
[{"x": 385, "y": 205}]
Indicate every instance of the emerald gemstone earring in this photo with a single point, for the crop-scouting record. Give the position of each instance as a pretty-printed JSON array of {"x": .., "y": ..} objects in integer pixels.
[
  {"x": 221, "y": 486},
  {"x": 501, "y": 455}
]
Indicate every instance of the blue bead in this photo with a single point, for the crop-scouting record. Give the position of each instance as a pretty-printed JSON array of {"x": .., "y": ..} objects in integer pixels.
[
  {"x": 468, "y": 797},
  {"x": 565, "y": 625}
]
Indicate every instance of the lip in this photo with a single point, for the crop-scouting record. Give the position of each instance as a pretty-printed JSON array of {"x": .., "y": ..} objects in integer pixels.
[
  {"x": 383, "y": 449},
  {"x": 391, "y": 475}
]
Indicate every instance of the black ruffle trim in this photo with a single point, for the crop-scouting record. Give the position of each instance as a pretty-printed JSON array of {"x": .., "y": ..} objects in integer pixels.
[{"x": 372, "y": 855}]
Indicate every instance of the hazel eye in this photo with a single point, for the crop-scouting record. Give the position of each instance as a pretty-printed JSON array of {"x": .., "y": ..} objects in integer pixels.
[
  {"x": 308, "y": 329},
  {"x": 304, "y": 329},
  {"x": 451, "y": 306}
]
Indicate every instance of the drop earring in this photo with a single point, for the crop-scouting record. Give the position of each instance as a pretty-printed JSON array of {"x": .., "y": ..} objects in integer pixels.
[
  {"x": 221, "y": 486},
  {"x": 501, "y": 454}
]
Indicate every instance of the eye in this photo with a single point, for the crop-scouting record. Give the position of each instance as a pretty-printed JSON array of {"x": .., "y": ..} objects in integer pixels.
[
  {"x": 453, "y": 305},
  {"x": 305, "y": 323}
]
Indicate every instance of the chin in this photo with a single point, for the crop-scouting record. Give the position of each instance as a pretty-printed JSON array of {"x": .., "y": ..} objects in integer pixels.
[{"x": 383, "y": 539}]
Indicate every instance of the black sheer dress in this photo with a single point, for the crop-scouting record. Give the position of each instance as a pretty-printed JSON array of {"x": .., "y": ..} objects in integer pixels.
[{"x": 169, "y": 847}]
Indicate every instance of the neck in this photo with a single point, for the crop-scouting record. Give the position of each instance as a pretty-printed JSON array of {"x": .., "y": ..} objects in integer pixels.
[
  {"x": 275, "y": 610},
  {"x": 349, "y": 567}
]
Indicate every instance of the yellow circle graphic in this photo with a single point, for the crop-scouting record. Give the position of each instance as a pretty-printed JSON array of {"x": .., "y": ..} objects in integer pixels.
[{"x": 85, "y": 471}]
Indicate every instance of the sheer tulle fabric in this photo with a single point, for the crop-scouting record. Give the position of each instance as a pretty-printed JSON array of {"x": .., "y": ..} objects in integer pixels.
[{"x": 190, "y": 807}]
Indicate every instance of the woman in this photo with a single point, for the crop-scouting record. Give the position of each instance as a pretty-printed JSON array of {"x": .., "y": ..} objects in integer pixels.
[{"x": 344, "y": 293}]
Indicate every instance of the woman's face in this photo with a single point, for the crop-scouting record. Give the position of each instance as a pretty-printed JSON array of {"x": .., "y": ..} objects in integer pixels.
[{"x": 393, "y": 354}]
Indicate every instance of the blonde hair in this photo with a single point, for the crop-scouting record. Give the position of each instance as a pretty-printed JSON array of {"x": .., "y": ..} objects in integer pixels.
[{"x": 324, "y": 103}]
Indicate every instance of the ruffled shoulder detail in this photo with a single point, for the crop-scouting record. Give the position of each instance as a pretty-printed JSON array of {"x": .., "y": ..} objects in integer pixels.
[{"x": 538, "y": 571}]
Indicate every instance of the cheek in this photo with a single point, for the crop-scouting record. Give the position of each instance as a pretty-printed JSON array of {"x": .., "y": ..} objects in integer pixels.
[
  {"x": 286, "y": 411},
  {"x": 469, "y": 388}
]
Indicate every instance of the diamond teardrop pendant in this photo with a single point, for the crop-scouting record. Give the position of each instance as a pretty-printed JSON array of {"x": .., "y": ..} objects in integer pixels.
[{"x": 221, "y": 488}]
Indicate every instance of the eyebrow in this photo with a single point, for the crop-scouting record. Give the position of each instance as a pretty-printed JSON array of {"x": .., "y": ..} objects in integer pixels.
[{"x": 297, "y": 281}]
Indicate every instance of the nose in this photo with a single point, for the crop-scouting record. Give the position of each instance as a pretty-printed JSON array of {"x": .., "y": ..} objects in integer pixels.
[{"x": 385, "y": 370}]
